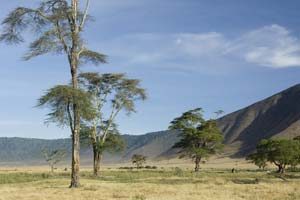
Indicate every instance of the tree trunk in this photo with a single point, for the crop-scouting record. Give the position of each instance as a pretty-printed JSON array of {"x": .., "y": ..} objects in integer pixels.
[
  {"x": 75, "y": 160},
  {"x": 76, "y": 129},
  {"x": 197, "y": 164},
  {"x": 52, "y": 169},
  {"x": 97, "y": 162},
  {"x": 281, "y": 169},
  {"x": 74, "y": 62}
]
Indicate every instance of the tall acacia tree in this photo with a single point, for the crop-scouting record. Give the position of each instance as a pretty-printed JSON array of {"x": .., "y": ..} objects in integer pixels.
[
  {"x": 58, "y": 25},
  {"x": 114, "y": 93}
]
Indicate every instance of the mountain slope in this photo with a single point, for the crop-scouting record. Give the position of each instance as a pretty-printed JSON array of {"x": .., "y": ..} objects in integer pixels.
[
  {"x": 28, "y": 151},
  {"x": 276, "y": 116}
]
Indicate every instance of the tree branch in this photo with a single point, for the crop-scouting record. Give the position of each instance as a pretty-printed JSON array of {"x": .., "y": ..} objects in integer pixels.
[
  {"x": 111, "y": 119},
  {"x": 70, "y": 117},
  {"x": 84, "y": 15},
  {"x": 61, "y": 38}
]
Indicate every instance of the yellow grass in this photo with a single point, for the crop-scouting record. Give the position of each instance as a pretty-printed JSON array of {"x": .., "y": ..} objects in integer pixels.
[{"x": 160, "y": 184}]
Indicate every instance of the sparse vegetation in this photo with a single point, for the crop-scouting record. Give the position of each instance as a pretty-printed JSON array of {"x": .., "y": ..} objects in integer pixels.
[
  {"x": 53, "y": 157},
  {"x": 138, "y": 160}
]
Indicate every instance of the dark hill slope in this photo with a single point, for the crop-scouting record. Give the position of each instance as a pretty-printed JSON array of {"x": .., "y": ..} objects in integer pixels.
[{"x": 276, "y": 116}]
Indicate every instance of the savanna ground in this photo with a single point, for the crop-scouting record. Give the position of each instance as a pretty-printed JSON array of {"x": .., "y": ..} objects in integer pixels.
[{"x": 167, "y": 182}]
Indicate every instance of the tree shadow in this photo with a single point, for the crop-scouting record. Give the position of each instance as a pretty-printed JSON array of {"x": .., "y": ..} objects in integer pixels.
[{"x": 245, "y": 181}]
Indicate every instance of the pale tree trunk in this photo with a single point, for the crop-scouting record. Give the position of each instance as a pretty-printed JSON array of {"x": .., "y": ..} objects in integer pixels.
[
  {"x": 75, "y": 160},
  {"x": 197, "y": 164},
  {"x": 76, "y": 129},
  {"x": 97, "y": 162},
  {"x": 74, "y": 60}
]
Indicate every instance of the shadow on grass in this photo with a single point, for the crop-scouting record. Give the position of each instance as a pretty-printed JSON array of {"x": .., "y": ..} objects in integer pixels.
[{"x": 245, "y": 181}]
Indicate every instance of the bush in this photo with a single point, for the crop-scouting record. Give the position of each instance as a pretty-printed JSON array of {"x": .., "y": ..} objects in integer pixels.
[
  {"x": 178, "y": 171},
  {"x": 150, "y": 167}
]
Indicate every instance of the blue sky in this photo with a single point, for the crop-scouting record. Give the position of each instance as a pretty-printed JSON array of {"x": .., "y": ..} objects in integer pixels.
[{"x": 213, "y": 54}]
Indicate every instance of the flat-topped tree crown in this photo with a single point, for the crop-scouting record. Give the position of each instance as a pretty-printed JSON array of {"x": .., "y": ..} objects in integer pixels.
[{"x": 199, "y": 138}]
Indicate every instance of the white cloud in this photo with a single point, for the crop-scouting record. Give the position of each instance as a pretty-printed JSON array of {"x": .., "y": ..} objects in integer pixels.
[
  {"x": 200, "y": 44},
  {"x": 270, "y": 46}
]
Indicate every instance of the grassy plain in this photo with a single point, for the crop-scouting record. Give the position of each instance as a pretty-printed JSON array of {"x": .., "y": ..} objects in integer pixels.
[{"x": 167, "y": 182}]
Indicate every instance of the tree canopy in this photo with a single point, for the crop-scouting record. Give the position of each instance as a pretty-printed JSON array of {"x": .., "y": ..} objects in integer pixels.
[
  {"x": 200, "y": 138},
  {"x": 280, "y": 152},
  {"x": 60, "y": 100},
  {"x": 112, "y": 92}
]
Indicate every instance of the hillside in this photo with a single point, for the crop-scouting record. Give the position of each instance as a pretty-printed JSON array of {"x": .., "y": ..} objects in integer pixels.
[
  {"x": 28, "y": 150},
  {"x": 276, "y": 116}
]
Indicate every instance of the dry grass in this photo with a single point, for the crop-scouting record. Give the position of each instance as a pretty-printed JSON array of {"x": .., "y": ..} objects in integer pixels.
[{"x": 166, "y": 184}]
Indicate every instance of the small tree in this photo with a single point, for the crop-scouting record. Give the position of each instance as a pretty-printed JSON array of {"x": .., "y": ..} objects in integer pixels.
[
  {"x": 199, "y": 138},
  {"x": 138, "y": 160},
  {"x": 280, "y": 152},
  {"x": 113, "y": 93},
  {"x": 53, "y": 157}
]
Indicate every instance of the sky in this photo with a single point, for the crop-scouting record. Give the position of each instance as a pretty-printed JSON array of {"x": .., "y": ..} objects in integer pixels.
[{"x": 213, "y": 54}]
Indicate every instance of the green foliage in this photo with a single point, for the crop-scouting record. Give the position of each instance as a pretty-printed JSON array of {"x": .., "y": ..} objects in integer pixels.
[
  {"x": 281, "y": 152},
  {"x": 259, "y": 159},
  {"x": 114, "y": 93},
  {"x": 138, "y": 160},
  {"x": 188, "y": 120},
  {"x": 115, "y": 90},
  {"x": 199, "y": 138},
  {"x": 113, "y": 142},
  {"x": 61, "y": 100}
]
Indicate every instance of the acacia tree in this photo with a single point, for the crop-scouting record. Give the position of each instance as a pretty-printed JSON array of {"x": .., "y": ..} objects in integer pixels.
[
  {"x": 280, "y": 152},
  {"x": 138, "y": 160},
  {"x": 53, "y": 157},
  {"x": 200, "y": 138},
  {"x": 114, "y": 93},
  {"x": 58, "y": 25}
]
